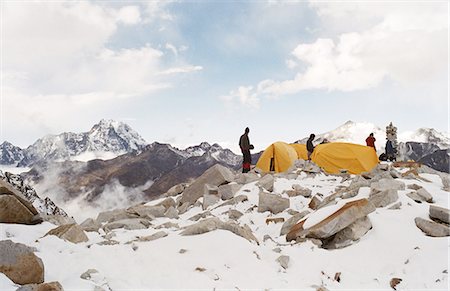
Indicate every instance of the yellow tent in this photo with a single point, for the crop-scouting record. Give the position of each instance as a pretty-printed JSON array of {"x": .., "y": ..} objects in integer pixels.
[
  {"x": 277, "y": 157},
  {"x": 302, "y": 153},
  {"x": 332, "y": 157}
]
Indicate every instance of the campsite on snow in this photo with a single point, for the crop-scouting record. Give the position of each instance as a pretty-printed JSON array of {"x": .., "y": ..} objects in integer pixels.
[{"x": 342, "y": 220}]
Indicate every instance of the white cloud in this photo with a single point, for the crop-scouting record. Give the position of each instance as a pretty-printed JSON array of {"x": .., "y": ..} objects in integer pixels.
[
  {"x": 404, "y": 42},
  {"x": 129, "y": 15},
  {"x": 244, "y": 96}
]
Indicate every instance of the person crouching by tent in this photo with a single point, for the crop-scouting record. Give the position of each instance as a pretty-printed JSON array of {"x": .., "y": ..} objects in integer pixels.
[
  {"x": 244, "y": 144},
  {"x": 390, "y": 151},
  {"x": 370, "y": 141},
  {"x": 310, "y": 146}
]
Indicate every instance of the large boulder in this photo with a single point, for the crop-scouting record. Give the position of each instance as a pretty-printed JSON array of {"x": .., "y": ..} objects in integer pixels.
[
  {"x": 432, "y": 228},
  {"x": 51, "y": 286},
  {"x": 383, "y": 198},
  {"x": 116, "y": 214},
  {"x": 69, "y": 232},
  {"x": 266, "y": 182},
  {"x": 292, "y": 221},
  {"x": 329, "y": 220},
  {"x": 272, "y": 202},
  {"x": 13, "y": 210},
  {"x": 228, "y": 191},
  {"x": 440, "y": 213},
  {"x": 422, "y": 192},
  {"x": 19, "y": 263},
  {"x": 351, "y": 233},
  {"x": 215, "y": 176}
]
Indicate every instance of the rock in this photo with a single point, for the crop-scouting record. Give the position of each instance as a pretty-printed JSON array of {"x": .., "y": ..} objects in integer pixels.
[
  {"x": 57, "y": 219},
  {"x": 176, "y": 190},
  {"x": 414, "y": 187},
  {"x": 422, "y": 192},
  {"x": 387, "y": 184},
  {"x": 272, "y": 203},
  {"x": 13, "y": 210},
  {"x": 51, "y": 286},
  {"x": 351, "y": 233},
  {"x": 394, "y": 282},
  {"x": 445, "y": 182},
  {"x": 20, "y": 264},
  {"x": 293, "y": 212},
  {"x": 432, "y": 228},
  {"x": 266, "y": 182},
  {"x": 298, "y": 190},
  {"x": 113, "y": 215},
  {"x": 210, "y": 196},
  {"x": 168, "y": 225},
  {"x": 130, "y": 224},
  {"x": 109, "y": 242},
  {"x": 69, "y": 232},
  {"x": 311, "y": 167},
  {"x": 155, "y": 236},
  {"x": 245, "y": 178},
  {"x": 183, "y": 208},
  {"x": 292, "y": 221},
  {"x": 333, "y": 223},
  {"x": 277, "y": 250},
  {"x": 228, "y": 191},
  {"x": 284, "y": 261},
  {"x": 215, "y": 176},
  {"x": 88, "y": 274},
  {"x": 234, "y": 214},
  {"x": 167, "y": 203},
  {"x": 90, "y": 225},
  {"x": 200, "y": 215},
  {"x": 358, "y": 182},
  {"x": 396, "y": 206},
  {"x": 145, "y": 211},
  {"x": 213, "y": 223},
  {"x": 171, "y": 213},
  {"x": 233, "y": 201},
  {"x": 440, "y": 213},
  {"x": 315, "y": 201},
  {"x": 383, "y": 198},
  {"x": 395, "y": 174},
  {"x": 414, "y": 196}
]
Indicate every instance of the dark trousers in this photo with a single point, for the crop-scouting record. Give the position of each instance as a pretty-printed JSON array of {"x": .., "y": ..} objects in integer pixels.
[{"x": 247, "y": 161}]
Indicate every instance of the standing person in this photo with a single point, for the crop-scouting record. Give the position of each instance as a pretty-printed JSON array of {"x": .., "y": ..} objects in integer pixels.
[
  {"x": 370, "y": 141},
  {"x": 244, "y": 144},
  {"x": 390, "y": 151},
  {"x": 310, "y": 146}
]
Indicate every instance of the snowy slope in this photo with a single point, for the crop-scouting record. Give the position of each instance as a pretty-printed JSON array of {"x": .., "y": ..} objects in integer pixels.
[{"x": 394, "y": 247}]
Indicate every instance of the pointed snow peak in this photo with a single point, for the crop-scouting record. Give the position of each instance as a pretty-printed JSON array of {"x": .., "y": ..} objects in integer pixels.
[
  {"x": 204, "y": 145},
  {"x": 349, "y": 122}
]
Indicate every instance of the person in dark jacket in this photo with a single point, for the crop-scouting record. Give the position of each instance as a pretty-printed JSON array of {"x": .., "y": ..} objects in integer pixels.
[
  {"x": 244, "y": 144},
  {"x": 390, "y": 151},
  {"x": 309, "y": 145},
  {"x": 370, "y": 141}
]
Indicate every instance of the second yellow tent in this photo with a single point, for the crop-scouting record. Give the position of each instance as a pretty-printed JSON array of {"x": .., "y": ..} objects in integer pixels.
[{"x": 277, "y": 157}]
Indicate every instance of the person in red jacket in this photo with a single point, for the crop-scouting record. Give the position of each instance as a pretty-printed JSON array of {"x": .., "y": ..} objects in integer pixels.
[{"x": 370, "y": 141}]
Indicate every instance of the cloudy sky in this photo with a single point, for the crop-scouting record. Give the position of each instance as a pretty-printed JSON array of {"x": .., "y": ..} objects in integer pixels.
[{"x": 183, "y": 72}]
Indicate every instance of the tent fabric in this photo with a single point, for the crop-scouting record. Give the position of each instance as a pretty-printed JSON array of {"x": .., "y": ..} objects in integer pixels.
[
  {"x": 332, "y": 157},
  {"x": 302, "y": 152},
  {"x": 283, "y": 156}
]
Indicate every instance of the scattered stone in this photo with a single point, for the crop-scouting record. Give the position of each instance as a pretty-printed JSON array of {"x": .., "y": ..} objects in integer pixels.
[
  {"x": 358, "y": 182},
  {"x": 19, "y": 263},
  {"x": 144, "y": 211},
  {"x": 277, "y": 250},
  {"x": 315, "y": 201},
  {"x": 109, "y": 242},
  {"x": 245, "y": 178},
  {"x": 228, "y": 191},
  {"x": 414, "y": 196},
  {"x": 395, "y": 174},
  {"x": 167, "y": 203},
  {"x": 340, "y": 219},
  {"x": 51, "y": 286},
  {"x": 215, "y": 176},
  {"x": 284, "y": 261},
  {"x": 234, "y": 214},
  {"x": 130, "y": 224},
  {"x": 168, "y": 225},
  {"x": 272, "y": 203},
  {"x": 200, "y": 215},
  {"x": 176, "y": 190},
  {"x": 383, "y": 198},
  {"x": 200, "y": 269},
  {"x": 414, "y": 187},
  {"x": 113, "y": 215},
  {"x": 396, "y": 206},
  {"x": 210, "y": 196},
  {"x": 274, "y": 220},
  {"x": 292, "y": 212},
  {"x": 182, "y": 251},
  {"x": 432, "y": 228},
  {"x": 171, "y": 213},
  {"x": 337, "y": 277},
  {"x": 183, "y": 208},
  {"x": 155, "y": 236},
  {"x": 90, "y": 225},
  {"x": 233, "y": 201},
  {"x": 394, "y": 282},
  {"x": 69, "y": 232},
  {"x": 88, "y": 274},
  {"x": 445, "y": 182},
  {"x": 292, "y": 221},
  {"x": 267, "y": 237},
  {"x": 425, "y": 195},
  {"x": 387, "y": 184},
  {"x": 57, "y": 219},
  {"x": 351, "y": 233},
  {"x": 440, "y": 213},
  {"x": 298, "y": 190},
  {"x": 266, "y": 182}
]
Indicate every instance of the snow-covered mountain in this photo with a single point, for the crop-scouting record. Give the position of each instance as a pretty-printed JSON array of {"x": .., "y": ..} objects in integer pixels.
[
  {"x": 107, "y": 139},
  {"x": 426, "y": 135}
]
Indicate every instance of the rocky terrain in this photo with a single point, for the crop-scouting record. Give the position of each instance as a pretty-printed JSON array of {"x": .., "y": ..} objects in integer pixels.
[{"x": 302, "y": 229}]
